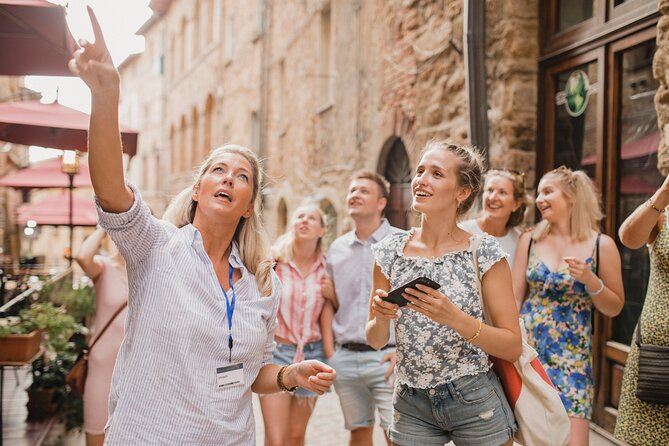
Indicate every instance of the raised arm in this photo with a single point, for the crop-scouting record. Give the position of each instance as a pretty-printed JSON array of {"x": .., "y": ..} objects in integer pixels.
[
  {"x": 85, "y": 256},
  {"x": 93, "y": 64},
  {"x": 641, "y": 226}
]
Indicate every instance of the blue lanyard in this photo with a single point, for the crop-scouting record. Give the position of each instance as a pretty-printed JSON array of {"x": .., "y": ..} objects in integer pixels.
[{"x": 230, "y": 309}]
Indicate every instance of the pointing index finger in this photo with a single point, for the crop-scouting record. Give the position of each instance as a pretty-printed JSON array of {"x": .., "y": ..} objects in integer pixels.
[{"x": 97, "y": 30}]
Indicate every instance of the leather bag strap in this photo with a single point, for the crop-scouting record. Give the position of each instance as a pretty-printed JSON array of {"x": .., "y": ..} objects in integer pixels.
[{"x": 97, "y": 338}]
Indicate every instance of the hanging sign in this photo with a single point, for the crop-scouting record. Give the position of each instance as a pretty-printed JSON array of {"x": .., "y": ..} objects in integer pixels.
[{"x": 576, "y": 93}]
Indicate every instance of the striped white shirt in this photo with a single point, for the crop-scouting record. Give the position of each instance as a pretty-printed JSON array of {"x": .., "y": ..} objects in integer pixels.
[
  {"x": 164, "y": 388},
  {"x": 301, "y": 304}
]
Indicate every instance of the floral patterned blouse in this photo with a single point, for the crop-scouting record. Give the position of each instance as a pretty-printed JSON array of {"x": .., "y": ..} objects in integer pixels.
[{"x": 428, "y": 353}]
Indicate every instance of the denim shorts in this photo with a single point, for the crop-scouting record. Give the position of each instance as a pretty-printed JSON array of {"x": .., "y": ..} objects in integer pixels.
[
  {"x": 468, "y": 411},
  {"x": 285, "y": 353}
]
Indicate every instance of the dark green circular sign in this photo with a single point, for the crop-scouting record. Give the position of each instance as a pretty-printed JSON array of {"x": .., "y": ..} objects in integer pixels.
[{"x": 576, "y": 92}]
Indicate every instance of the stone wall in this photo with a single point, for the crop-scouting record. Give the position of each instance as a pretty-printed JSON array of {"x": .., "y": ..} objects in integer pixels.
[
  {"x": 512, "y": 63},
  {"x": 661, "y": 73},
  {"x": 394, "y": 70}
]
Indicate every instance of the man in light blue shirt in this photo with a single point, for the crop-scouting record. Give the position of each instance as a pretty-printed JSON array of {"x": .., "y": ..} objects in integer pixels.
[{"x": 363, "y": 374}]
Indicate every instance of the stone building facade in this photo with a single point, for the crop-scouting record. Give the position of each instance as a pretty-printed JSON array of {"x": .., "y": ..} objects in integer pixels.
[{"x": 320, "y": 89}]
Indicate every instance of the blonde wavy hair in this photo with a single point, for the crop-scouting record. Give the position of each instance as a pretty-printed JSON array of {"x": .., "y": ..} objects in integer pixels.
[
  {"x": 282, "y": 249},
  {"x": 249, "y": 234},
  {"x": 584, "y": 201}
]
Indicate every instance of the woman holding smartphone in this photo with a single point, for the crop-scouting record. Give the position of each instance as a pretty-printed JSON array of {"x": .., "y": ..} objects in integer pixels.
[{"x": 444, "y": 376}]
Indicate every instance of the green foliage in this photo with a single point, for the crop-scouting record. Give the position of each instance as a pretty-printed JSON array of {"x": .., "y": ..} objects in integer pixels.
[
  {"x": 57, "y": 326},
  {"x": 79, "y": 300},
  {"x": 51, "y": 375},
  {"x": 17, "y": 328}
]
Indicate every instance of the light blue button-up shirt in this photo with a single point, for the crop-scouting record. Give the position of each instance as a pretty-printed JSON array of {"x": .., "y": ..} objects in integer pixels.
[
  {"x": 350, "y": 263},
  {"x": 164, "y": 389}
]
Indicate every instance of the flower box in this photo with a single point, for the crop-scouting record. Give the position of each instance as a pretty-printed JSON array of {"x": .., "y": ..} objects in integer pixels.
[{"x": 20, "y": 348}]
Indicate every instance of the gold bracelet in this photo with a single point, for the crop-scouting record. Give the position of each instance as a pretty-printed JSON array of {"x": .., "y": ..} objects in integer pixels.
[
  {"x": 279, "y": 380},
  {"x": 650, "y": 204},
  {"x": 478, "y": 332}
]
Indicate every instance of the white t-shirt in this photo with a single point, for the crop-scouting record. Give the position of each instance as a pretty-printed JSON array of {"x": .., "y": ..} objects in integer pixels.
[{"x": 508, "y": 241}]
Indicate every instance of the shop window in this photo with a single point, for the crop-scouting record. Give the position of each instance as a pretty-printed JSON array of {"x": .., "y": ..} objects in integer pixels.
[
  {"x": 639, "y": 177},
  {"x": 573, "y": 12},
  {"x": 576, "y": 118}
]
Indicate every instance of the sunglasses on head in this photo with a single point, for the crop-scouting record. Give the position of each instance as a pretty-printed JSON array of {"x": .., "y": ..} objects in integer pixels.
[{"x": 517, "y": 175}]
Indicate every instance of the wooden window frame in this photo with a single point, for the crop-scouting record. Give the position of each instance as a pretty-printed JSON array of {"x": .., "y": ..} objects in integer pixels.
[{"x": 594, "y": 32}]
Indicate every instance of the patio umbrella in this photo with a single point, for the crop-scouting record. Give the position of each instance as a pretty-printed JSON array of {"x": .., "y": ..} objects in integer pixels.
[
  {"x": 34, "y": 39},
  {"x": 46, "y": 174},
  {"x": 52, "y": 125},
  {"x": 55, "y": 210}
]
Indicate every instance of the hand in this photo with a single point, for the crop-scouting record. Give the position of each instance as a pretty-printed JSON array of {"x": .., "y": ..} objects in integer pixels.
[
  {"x": 312, "y": 375},
  {"x": 384, "y": 310},
  {"x": 327, "y": 289},
  {"x": 93, "y": 63},
  {"x": 391, "y": 358},
  {"x": 432, "y": 303},
  {"x": 580, "y": 270}
]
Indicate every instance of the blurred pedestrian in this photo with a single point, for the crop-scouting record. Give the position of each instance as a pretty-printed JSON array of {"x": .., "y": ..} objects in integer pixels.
[
  {"x": 363, "y": 381},
  {"x": 203, "y": 297},
  {"x": 300, "y": 265},
  {"x": 111, "y": 296},
  {"x": 640, "y": 423},
  {"x": 504, "y": 206},
  {"x": 446, "y": 389},
  {"x": 564, "y": 269}
]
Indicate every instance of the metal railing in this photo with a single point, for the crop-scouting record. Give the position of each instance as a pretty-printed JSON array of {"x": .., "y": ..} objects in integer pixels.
[{"x": 34, "y": 288}]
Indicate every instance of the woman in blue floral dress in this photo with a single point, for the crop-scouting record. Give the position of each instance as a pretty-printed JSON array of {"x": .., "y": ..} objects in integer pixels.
[
  {"x": 445, "y": 389},
  {"x": 558, "y": 284}
]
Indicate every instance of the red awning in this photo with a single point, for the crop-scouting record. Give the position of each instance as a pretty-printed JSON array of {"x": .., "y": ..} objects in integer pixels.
[
  {"x": 634, "y": 185},
  {"x": 55, "y": 210},
  {"x": 52, "y": 125},
  {"x": 34, "y": 39},
  {"x": 637, "y": 148},
  {"x": 44, "y": 175}
]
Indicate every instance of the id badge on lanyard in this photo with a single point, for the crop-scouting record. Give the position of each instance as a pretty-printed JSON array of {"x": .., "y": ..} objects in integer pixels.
[{"x": 232, "y": 374}]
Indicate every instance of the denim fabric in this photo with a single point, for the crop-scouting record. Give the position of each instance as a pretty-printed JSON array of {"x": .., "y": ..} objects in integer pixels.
[
  {"x": 470, "y": 411},
  {"x": 284, "y": 354}
]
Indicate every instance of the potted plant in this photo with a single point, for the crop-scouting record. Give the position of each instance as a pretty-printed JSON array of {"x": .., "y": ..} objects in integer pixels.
[
  {"x": 19, "y": 340},
  {"x": 47, "y": 390}
]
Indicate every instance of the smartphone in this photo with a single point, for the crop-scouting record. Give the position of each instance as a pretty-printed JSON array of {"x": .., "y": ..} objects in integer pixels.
[{"x": 395, "y": 296}]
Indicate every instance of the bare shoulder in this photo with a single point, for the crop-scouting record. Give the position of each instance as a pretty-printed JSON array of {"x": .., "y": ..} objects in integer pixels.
[{"x": 606, "y": 243}]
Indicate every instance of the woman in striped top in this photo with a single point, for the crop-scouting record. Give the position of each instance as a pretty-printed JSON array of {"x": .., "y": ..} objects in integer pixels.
[
  {"x": 203, "y": 298},
  {"x": 300, "y": 267}
]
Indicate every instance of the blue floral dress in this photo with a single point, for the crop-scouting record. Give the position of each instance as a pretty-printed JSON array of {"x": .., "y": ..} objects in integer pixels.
[{"x": 558, "y": 317}]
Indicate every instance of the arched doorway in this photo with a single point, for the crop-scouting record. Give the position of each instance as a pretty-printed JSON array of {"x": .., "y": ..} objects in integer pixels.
[{"x": 394, "y": 164}]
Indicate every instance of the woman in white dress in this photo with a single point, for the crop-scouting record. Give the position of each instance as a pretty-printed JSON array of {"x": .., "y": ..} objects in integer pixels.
[{"x": 504, "y": 205}]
